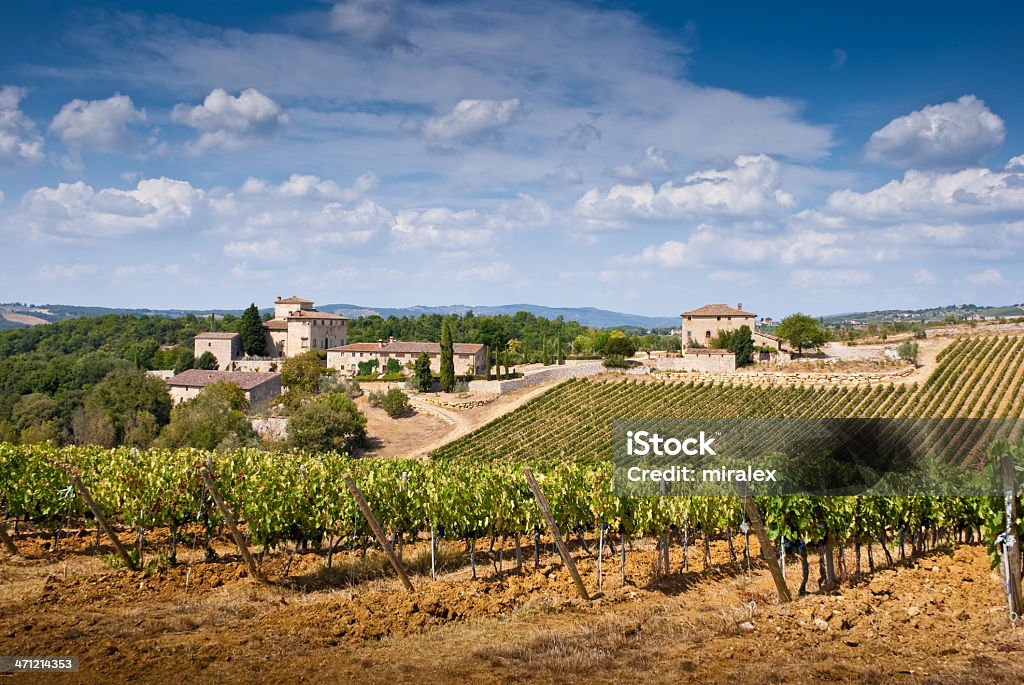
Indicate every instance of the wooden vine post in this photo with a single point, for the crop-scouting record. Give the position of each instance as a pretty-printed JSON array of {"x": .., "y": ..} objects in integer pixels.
[
  {"x": 102, "y": 521},
  {"x": 553, "y": 527},
  {"x": 1011, "y": 543},
  {"x": 229, "y": 520},
  {"x": 379, "y": 533},
  {"x": 5, "y": 538},
  {"x": 767, "y": 549}
]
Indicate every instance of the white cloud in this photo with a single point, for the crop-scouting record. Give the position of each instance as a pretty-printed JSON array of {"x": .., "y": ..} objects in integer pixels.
[
  {"x": 653, "y": 163},
  {"x": 377, "y": 23},
  {"x": 130, "y": 271},
  {"x": 987, "y": 277},
  {"x": 750, "y": 187},
  {"x": 670, "y": 254},
  {"x": 228, "y": 122},
  {"x": 925, "y": 277},
  {"x": 471, "y": 119},
  {"x": 77, "y": 210},
  {"x": 306, "y": 186},
  {"x": 269, "y": 249},
  {"x": 440, "y": 228},
  {"x": 933, "y": 194},
  {"x": 947, "y": 135},
  {"x": 20, "y": 141},
  {"x": 830, "y": 278},
  {"x": 62, "y": 272},
  {"x": 494, "y": 272},
  {"x": 1016, "y": 164},
  {"x": 105, "y": 125},
  {"x": 242, "y": 272}
]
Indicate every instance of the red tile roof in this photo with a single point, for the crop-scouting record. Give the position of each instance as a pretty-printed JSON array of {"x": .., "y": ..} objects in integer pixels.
[
  {"x": 199, "y": 378},
  {"x": 704, "y": 350},
  {"x": 718, "y": 310},
  {"x": 407, "y": 347},
  {"x": 276, "y": 325},
  {"x": 217, "y": 335},
  {"x": 292, "y": 300}
]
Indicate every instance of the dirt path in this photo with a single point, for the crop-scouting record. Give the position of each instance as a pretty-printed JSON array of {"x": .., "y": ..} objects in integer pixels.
[{"x": 468, "y": 420}]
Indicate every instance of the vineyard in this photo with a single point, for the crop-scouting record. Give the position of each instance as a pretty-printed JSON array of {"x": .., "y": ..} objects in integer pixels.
[
  {"x": 975, "y": 378},
  {"x": 474, "y": 492}
]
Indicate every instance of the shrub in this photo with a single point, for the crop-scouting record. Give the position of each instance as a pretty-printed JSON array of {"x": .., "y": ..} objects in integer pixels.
[
  {"x": 395, "y": 403},
  {"x": 616, "y": 361},
  {"x": 328, "y": 422},
  {"x": 376, "y": 398}
]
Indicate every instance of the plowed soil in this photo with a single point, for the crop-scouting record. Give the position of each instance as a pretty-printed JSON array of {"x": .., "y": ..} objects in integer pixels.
[{"x": 940, "y": 617}]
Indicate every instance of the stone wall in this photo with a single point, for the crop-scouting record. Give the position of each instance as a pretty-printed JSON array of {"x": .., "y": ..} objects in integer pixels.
[
  {"x": 550, "y": 374},
  {"x": 705, "y": 363}
]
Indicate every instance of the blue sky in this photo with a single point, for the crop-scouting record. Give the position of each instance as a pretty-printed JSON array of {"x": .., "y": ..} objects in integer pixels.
[{"x": 635, "y": 156}]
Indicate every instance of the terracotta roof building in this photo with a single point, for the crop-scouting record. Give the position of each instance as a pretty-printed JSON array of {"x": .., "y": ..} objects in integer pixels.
[
  {"x": 470, "y": 358},
  {"x": 703, "y": 324},
  {"x": 258, "y": 387}
]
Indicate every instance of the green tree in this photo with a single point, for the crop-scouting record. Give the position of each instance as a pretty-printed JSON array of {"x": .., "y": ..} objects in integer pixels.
[
  {"x": 207, "y": 362},
  {"x": 447, "y": 358},
  {"x": 620, "y": 346},
  {"x": 424, "y": 377},
  {"x": 123, "y": 393},
  {"x": 801, "y": 331},
  {"x": 185, "y": 361},
  {"x": 909, "y": 351},
  {"x": 302, "y": 372},
  {"x": 328, "y": 422},
  {"x": 395, "y": 403},
  {"x": 213, "y": 419},
  {"x": 250, "y": 328},
  {"x": 740, "y": 342},
  {"x": 393, "y": 366}
]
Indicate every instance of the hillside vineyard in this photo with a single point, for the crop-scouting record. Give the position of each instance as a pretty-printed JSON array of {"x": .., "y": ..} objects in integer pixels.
[{"x": 979, "y": 377}]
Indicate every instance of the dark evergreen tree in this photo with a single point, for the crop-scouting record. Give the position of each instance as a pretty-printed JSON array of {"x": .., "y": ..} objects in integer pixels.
[
  {"x": 207, "y": 362},
  {"x": 424, "y": 377},
  {"x": 250, "y": 328},
  {"x": 447, "y": 358}
]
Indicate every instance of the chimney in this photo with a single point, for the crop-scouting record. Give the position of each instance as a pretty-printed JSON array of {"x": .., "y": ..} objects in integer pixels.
[
  {"x": 739, "y": 306},
  {"x": 381, "y": 342},
  {"x": 391, "y": 339}
]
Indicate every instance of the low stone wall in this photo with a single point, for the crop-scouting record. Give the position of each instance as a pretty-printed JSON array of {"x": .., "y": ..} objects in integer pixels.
[
  {"x": 708, "y": 363},
  {"x": 550, "y": 374},
  {"x": 799, "y": 378},
  {"x": 257, "y": 365}
]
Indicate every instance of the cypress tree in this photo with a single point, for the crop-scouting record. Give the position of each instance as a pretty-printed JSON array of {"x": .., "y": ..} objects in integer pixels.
[
  {"x": 447, "y": 358},
  {"x": 250, "y": 328}
]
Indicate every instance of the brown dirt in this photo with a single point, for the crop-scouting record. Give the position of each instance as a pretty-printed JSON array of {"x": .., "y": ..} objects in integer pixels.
[
  {"x": 398, "y": 437},
  {"x": 937, "y": 618}
]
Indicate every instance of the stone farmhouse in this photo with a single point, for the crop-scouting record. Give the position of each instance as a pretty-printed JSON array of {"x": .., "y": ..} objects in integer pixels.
[
  {"x": 703, "y": 324},
  {"x": 470, "y": 358},
  {"x": 259, "y": 388},
  {"x": 224, "y": 346},
  {"x": 297, "y": 327}
]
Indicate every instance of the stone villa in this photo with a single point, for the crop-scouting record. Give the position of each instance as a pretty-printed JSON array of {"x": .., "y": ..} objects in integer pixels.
[
  {"x": 259, "y": 388},
  {"x": 703, "y": 324},
  {"x": 470, "y": 358},
  {"x": 297, "y": 327}
]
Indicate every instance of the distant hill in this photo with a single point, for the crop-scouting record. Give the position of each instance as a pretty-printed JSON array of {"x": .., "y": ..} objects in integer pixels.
[
  {"x": 588, "y": 316},
  {"x": 960, "y": 312}
]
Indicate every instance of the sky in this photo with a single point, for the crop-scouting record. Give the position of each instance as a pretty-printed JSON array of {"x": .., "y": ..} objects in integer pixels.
[{"x": 643, "y": 157}]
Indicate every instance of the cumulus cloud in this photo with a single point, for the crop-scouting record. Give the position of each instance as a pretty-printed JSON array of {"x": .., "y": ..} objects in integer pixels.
[
  {"x": 751, "y": 186},
  {"x": 20, "y": 141},
  {"x": 987, "y": 277},
  {"x": 307, "y": 186},
  {"x": 228, "y": 122},
  {"x": 472, "y": 119},
  {"x": 105, "y": 125},
  {"x": 972, "y": 191},
  {"x": 948, "y": 135},
  {"x": 653, "y": 163},
  {"x": 377, "y": 23},
  {"x": 78, "y": 210},
  {"x": 440, "y": 228},
  {"x": 924, "y": 277}
]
